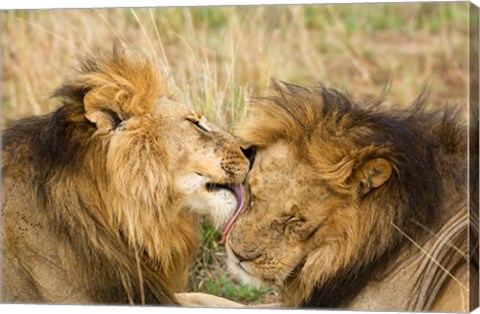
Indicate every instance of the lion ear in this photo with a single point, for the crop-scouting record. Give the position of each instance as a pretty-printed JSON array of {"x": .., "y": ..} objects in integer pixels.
[
  {"x": 104, "y": 115},
  {"x": 370, "y": 175}
]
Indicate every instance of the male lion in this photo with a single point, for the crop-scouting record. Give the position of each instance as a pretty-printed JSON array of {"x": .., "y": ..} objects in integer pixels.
[
  {"x": 355, "y": 206},
  {"x": 101, "y": 197}
]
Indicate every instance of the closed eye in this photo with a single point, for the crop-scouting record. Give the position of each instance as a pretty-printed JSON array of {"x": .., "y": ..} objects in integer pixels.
[
  {"x": 198, "y": 125},
  {"x": 294, "y": 219}
]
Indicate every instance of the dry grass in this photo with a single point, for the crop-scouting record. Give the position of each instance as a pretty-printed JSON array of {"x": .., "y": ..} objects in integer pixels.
[{"x": 219, "y": 57}]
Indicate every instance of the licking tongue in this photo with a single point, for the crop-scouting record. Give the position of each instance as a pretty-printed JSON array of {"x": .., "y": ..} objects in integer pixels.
[{"x": 238, "y": 191}]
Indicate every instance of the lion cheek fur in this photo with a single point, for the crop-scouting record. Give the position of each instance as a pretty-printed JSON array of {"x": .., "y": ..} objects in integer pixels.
[{"x": 218, "y": 206}]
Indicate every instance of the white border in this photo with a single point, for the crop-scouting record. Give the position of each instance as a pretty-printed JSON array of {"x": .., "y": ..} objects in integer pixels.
[
  {"x": 61, "y": 4},
  {"x": 82, "y": 309}
]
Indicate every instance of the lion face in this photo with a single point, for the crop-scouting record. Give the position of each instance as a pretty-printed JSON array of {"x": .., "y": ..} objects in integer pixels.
[
  {"x": 287, "y": 218},
  {"x": 210, "y": 164},
  {"x": 206, "y": 165}
]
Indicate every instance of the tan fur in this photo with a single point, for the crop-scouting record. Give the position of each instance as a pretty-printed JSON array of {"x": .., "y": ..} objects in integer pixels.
[
  {"x": 101, "y": 198},
  {"x": 338, "y": 193}
]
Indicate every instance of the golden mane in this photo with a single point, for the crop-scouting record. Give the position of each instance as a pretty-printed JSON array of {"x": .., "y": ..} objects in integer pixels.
[
  {"x": 123, "y": 82},
  {"x": 93, "y": 187}
]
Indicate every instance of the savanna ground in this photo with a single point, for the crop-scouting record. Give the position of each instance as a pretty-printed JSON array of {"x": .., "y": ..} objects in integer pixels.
[{"x": 218, "y": 58}]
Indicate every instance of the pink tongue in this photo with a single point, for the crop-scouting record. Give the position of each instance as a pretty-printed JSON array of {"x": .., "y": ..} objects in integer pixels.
[{"x": 238, "y": 190}]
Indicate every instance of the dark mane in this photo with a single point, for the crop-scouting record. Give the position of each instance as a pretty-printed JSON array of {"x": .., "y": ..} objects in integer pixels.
[{"x": 425, "y": 145}]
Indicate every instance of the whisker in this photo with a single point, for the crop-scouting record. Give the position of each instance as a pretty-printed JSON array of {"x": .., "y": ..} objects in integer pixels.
[
  {"x": 429, "y": 256},
  {"x": 458, "y": 250}
]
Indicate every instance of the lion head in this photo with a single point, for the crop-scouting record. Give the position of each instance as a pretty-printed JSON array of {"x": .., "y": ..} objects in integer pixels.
[
  {"x": 335, "y": 187},
  {"x": 116, "y": 176}
]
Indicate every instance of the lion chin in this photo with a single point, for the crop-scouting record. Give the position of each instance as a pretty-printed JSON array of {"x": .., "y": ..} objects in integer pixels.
[
  {"x": 102, "y": 197},
  {"x": 357, "y": 206}
]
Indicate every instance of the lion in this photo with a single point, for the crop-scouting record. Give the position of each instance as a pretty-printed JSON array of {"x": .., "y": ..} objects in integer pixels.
[
  {"x": 102, "y": 197},
  {"x": 357, "y": 206}
]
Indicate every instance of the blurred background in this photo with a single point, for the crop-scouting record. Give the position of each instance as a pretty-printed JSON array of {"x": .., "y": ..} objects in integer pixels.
[{"x": 217, "y": 58}]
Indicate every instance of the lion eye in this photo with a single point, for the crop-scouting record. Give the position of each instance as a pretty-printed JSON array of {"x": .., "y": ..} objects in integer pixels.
[
  {"x": 295, "y": 219},
  {"x": 197, "y": 124}
]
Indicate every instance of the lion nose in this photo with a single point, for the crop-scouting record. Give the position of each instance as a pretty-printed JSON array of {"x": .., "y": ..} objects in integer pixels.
[
  {"x": 249, "y": 153},
  {"x": 245, "y": 259}
]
